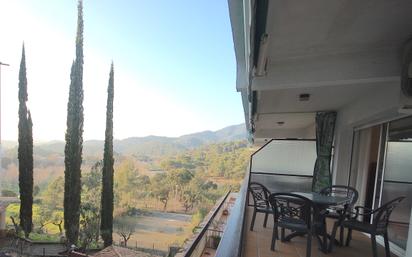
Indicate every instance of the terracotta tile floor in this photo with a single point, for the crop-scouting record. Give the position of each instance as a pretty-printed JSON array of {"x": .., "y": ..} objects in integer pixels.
[{"x": 257, "y": 243}]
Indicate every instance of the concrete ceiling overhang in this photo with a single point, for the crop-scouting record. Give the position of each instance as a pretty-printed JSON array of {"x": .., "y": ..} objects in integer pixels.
[
  {"x": 325, "y": 43},
  {"x": 337, "y": 51},
  {"x": 320, "y": 27},
  {"x": 239, "y": 17},
  {"x": 285, "y": 125}
]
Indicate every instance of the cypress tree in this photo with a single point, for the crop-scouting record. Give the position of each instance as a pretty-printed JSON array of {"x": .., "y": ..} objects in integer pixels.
[
  {"x": 74, "y": 140},
  {"x": 25, "y": 153},
  {"x": 106, "y": 226}
]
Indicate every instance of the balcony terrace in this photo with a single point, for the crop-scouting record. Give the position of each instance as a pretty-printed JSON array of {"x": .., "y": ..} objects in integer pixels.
[
  {"x": 238, "y": 240},
  {"x": 257, "y": 243},
  {"x": 332, "y": 80}
]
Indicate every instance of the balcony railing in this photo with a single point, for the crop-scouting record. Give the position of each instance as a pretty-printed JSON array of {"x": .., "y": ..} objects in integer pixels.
[
  {"x": 238, "y": 241},
  {"x": 199, "y": 243},
  {"x": 231, "y": 244}
]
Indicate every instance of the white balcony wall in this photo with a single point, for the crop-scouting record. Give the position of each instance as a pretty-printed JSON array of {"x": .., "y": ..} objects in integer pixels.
[
  {"x": 286, "y": 157},
  {"x": 285, "y": 165}
]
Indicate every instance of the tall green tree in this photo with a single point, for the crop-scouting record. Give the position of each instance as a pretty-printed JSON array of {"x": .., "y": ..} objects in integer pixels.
[
  {"x": 74, "y": 140},
  {"x": 106, "y": 226},
  {"x": 90, "y": 207},
  {"x": 25, "y": 153}
]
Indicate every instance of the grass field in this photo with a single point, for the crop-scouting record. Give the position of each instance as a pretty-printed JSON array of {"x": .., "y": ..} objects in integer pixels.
[
  {"x": 158, "y": 229},
  {"x": 153, "y": 229}
]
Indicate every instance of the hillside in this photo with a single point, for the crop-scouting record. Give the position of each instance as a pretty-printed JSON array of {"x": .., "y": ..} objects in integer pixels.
[
  {"x": 149, "y": 146},
  {"x": 147, "y": 153}
]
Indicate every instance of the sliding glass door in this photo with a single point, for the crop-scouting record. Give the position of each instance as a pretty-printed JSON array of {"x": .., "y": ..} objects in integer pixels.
[
  {"x": 397, "y": 177},
  {"x": 381, "y": 170}
]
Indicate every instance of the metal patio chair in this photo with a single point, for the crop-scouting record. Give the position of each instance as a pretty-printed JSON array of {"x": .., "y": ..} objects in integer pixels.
[
  {"x": 260, "y": 195},
  {"x": 379, "y": 225},
  {"x": 341, "y": 212},
  {"x": 292, "y": 212}
]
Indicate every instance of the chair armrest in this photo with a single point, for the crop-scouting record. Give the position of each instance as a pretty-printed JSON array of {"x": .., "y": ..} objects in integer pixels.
[
  {"x": 366, "y": 212},
  {"x": 337, "y": 209},
  {"x": 324, "y": 212}
]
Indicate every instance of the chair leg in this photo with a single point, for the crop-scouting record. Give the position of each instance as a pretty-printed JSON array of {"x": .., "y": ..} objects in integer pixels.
[
  {"x": 325, "y": 236},
  {"x": 309, "y": 244},
  {"x": 266, "y": 220},
  {"x": 374, "y": 249},
  {"x": 387, "y": 247},
  {"x": 253, "y": 220},
  {"x": 342, "y": 229},
  {"x": 274, "y": 237},
  {"x": 282, "y": 234},
  {"x": 349, "y": 237},
  {"x": 333, "y": 235}
]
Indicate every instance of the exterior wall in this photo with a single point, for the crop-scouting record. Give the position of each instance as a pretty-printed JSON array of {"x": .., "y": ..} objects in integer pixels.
[{"x": 380, "y": 106}]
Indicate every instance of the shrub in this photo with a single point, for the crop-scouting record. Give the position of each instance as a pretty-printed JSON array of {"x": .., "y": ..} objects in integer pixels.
[{"x": 8, "y": 193}]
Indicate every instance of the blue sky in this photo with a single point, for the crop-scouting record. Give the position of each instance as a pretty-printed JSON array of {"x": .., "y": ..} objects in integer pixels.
[{"x": 174, "y": 65}]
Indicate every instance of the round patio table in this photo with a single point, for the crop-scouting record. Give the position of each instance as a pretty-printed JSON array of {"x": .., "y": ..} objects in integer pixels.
[{"x": 321, "y": 203}]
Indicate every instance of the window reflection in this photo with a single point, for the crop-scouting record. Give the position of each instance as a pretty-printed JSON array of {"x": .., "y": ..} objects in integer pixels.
[{"x": 398, "y": 178}]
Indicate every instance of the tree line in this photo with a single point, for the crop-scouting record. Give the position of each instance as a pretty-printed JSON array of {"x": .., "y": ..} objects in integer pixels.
[
  {"x": 82, "y": 206},
  {"x": 73, "y": 151},
  {"x": 187, "y": 183}
]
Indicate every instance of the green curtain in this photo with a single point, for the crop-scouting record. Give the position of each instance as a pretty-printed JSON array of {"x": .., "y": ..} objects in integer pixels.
[{"x": 325, "y": 129}]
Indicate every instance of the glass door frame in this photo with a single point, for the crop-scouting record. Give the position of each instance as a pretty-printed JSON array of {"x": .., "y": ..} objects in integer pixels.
[
  {"x": 380, "y": 167},
  {"x": 384, "y": 140}
]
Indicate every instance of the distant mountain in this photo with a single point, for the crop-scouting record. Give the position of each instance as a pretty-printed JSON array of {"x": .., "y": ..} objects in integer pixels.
[
  {"x": 155, "y": 145},
  {"x": 231, "y": 133},
  {"x": 150, "y": 145}
]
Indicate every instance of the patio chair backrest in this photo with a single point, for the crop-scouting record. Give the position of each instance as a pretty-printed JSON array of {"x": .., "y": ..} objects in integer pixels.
[
  {"x": 342, "y": 191},
  {"x": 289, "y": 207},
  {"x": 260, "y": 195},
  {"x": 382, "y": 214}
]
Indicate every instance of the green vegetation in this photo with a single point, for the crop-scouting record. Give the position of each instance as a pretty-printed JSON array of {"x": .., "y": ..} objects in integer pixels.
[
  {"x": 49, "y": 156},
  {"x": 108, "y": 162},
  {"x": 74, "y": 140},
  {"x": 90, "y": 206},
  {"x": 192, "y": 179},
  {"x": 42, "y": 229},
  {"x": 25, "y": 153},
  {"x": 125, "y": 228},
  {"x": 190, "y": 182},
  {"x": 186, "y": 174},
  {"x": 198, "y": 217},
  {"x": 8, "y": 193}
]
